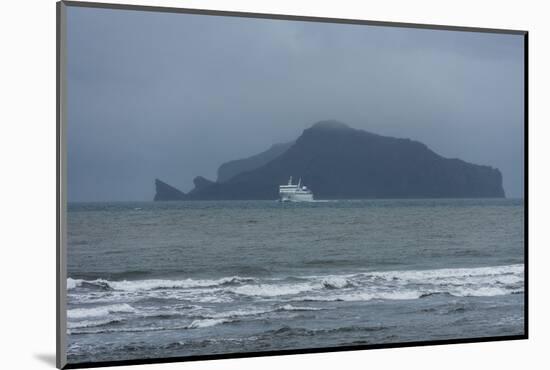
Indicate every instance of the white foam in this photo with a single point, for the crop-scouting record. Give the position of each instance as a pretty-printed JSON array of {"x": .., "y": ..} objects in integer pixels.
[
  {"x": 273, "y": 290},
  {"x": 483, "y": 291},
  {"x": 88, "y": 323},
  {"x": 456, "y": 273},
  {"x": 154, "y": 284},
  {"x": 404, "y": 284},
  {"x": 125, "y": 330},
  {"x": 81, "y": 313},
  {"x": 73, "y": 283},
  {"x": 206, "y": 323},
  {"x": 196, "y": 295},
  {"x": 256, "y": 311},
  {"x": 239, "y": 313},
  {"x": 336, "y": 282},
  {"x": 289, "y": 307},
  {"x": 362, "y": 296}
]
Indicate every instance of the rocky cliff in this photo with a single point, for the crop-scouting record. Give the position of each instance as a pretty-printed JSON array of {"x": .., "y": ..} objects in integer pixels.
[{"x": 337, "y": 162}]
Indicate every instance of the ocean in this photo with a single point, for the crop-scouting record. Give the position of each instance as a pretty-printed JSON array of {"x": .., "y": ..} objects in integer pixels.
[{"x": 171, "y": 279}]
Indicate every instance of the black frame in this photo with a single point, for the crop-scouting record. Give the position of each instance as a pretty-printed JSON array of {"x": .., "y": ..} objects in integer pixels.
[{"x": 61, "y": 188}]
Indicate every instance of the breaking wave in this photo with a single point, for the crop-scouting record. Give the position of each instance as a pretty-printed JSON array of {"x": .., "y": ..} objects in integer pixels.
[
  {"x": 336, "y": 282},
  {"x": 259, "y": 311},
  {"x": 81, "y": 313},
  {"x": 206, "y": 323},
  {"x": 154, "y": 284},
  {"x": 91, "y": 323},
  {"x": 408, "y": 284},
  {"x": 197, "y": 324},
  {"x": 115, "y": 306}
]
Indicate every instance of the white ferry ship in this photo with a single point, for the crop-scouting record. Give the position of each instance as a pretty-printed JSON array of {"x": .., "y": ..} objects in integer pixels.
[{"x": 295, "y": 193}]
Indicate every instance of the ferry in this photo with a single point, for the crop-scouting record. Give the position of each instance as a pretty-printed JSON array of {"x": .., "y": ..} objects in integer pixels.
[{"x": 295, "y": 193}]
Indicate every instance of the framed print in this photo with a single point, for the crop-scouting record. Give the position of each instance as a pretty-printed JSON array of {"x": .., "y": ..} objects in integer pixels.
[{"x": 235, "y": 184}]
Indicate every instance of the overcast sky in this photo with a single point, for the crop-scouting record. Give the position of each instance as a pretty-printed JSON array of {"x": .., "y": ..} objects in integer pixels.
[{"x": 172, "y": 96}]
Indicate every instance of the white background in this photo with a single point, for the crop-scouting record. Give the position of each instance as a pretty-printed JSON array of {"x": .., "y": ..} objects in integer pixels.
[{"x": 27, "y": 186}]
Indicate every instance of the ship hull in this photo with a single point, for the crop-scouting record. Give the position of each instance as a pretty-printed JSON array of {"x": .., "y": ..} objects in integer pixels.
[{"x": 296, "y": 198}]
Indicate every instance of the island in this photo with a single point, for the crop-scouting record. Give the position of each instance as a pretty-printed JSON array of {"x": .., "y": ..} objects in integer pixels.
[{"x": 337, "y": 161}]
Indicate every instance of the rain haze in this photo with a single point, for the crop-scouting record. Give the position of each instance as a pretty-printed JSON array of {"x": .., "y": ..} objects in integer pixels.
[{"x": 173, "y": 96}]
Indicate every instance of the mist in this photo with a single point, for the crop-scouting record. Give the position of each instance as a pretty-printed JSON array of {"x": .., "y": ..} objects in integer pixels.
[{"x": 173, "y": 96}]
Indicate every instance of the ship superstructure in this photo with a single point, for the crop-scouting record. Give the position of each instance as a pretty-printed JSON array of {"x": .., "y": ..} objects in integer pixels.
[{"x": 295, "y": 193}]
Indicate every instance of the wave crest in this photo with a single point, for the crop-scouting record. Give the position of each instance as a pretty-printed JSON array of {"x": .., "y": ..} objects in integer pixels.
[
  {"x": 155, "y": 284},
  {"x": 404, "y": 284},
  {"x": 81, "y": 313}
]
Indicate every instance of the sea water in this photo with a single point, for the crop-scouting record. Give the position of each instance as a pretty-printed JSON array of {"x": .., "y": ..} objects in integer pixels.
[{"x": 163, "y": 279}]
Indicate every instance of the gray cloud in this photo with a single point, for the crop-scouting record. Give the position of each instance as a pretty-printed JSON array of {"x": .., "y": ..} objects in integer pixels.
[{"x": 173, "y": 95}]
